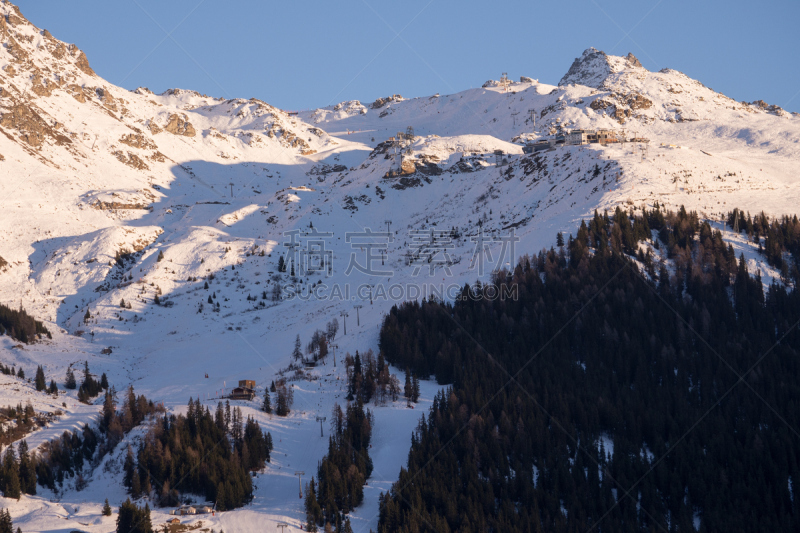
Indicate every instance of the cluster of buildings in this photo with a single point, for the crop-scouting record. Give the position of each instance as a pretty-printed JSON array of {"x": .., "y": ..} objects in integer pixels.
[
  {"x": 192, "y": 509},
  {"x": 577, "y": 138}
]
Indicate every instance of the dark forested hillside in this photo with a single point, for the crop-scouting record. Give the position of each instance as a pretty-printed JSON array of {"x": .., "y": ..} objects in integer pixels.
[
  {"x": 19, "y": 325},
  {"x": 201, "y": 453},
  {"x": 611, "y": 394}
]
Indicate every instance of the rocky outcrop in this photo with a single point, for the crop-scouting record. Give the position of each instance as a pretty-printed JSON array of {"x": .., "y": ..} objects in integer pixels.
[
  {"x": 773, "y": 109},
  {"x": 78, "y": 92},
  {"x": 621, "y": 107},
  {"x": 137, "y": 140},
  {"x": 380, "y": 102},
  {"x": 32, "y": 128},
  {"x": 526, "y": 79},
  {"x": 179, "y": 125},
  {"x": 155, "y": 129},
  {"x": 637, "y": 101},
  {"x": 40, "y": 85},
  {"x": 594, "y": 66},
  {"x": 632, "y": 61},
  {"x": 131, "y": 159},
  {"x": 107, "y": 98},
  {"x": 82, "y": 62}
]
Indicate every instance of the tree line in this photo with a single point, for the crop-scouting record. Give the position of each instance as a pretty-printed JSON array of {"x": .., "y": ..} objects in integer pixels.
[
  {"x": 606, "y": 374},
  {"x": 210, "y": 455},
  {"x": 344, "y": 469},
  {"x": 19, "y": 325}
]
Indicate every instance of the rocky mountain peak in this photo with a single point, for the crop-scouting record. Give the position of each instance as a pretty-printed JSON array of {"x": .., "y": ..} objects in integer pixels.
[
  {"x": 594, "y": 66},
  {"x": 34, "y": 56}
]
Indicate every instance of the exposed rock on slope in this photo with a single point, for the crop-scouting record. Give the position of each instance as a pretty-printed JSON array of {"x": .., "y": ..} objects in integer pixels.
[
  {"x": 594, "y": 66},
  {"x": 179, "y": 125},
  {"x": 32, "y": 128}
]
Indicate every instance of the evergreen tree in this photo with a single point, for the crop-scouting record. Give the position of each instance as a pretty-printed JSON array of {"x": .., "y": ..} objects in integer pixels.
[
  {"x": 71, "y": 383},
  {"x": 160, "y": 256},
  {"x": 106, "y": 508},
  {"x": 415, "y": 389},
  {"x": 267, "y": 405},
  {"x": 41, "y": 382},
  {"x": 11, "y": 483},
  {"x": 27, "y": 470},
  {"x": 53, "y": 389},
  {"x": 222, "y": 497},
  {"x": 136, "y": 485},
  {"x": 6, "y": 524},
  {"x": 297, "y": 353},
  {"x": 132, "y": 519},
  {"x": 313, "y": 510}
]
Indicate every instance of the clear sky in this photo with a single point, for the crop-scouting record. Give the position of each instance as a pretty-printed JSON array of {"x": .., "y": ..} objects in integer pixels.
[{"x": 299, "y": 55}]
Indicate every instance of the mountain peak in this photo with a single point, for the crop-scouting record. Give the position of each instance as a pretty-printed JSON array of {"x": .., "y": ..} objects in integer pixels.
[{"x": 594, "y": 66}]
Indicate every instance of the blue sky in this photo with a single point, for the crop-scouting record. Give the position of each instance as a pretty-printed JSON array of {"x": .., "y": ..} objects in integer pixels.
[{"x": 299, "y": 55}]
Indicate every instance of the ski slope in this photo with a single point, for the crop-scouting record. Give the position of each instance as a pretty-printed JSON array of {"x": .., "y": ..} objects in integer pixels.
[{"x": 90, "y": 171}]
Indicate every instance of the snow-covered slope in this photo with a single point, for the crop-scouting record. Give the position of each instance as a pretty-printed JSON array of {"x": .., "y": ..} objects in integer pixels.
[{"x": 96, "y": 182}]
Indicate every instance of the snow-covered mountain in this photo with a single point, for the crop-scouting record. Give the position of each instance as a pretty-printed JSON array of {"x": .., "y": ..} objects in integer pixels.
[{"x": 91, "y": 172}]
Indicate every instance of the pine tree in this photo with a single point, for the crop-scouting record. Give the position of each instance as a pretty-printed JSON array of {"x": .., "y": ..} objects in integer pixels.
[
  {"x": 205, "y": 285},
  {"x": 106, "y": 508},
  {"x": 129, "y": 467},
  {"x": 281, "y": 264},
  {"x": 408, "y": 391},
  {"x": 132, "y": 519},
  {"x": 222, "y": 497},
  {"x": 297, "y": 353},
  {"x": 41, "y": 382},
  {"x": 415, "y": 389},
  {"x": 21, "y": 373},
  {"x": 12, "y": 487},
  {"x": 104, "y": 381},
  {"x": 122, "y": 303},
  {"x": 267, "y": 405},
  {"x": 71, "y": 383},
  {"x": 53, "y": 387},
  {"x": 313, "y": 510},
  {"x": 6, "y": 524},
  {"x": 136, "y": 484},
  {"x": 160, "y": 256},
  {"x": 27, "y": 470}
]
